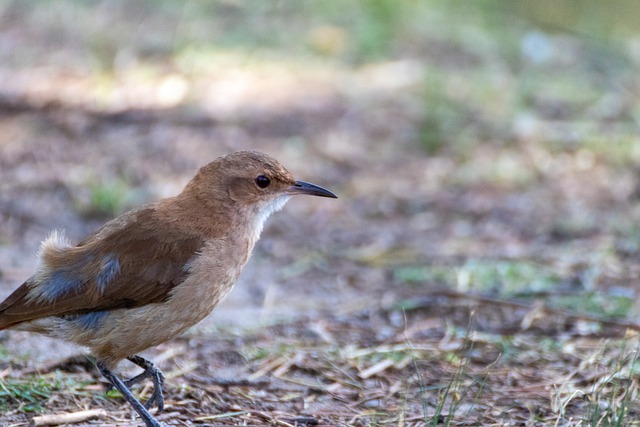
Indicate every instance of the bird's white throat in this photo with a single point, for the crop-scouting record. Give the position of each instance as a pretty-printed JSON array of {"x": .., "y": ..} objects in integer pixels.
[{"x": 265, "y": 210}]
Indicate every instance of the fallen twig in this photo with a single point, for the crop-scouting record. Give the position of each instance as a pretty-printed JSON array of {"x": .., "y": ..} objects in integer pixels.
[{"x": 68, "y": 418}]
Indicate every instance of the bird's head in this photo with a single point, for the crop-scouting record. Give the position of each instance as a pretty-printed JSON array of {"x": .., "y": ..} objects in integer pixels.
[{"x": 250, "y": 181}]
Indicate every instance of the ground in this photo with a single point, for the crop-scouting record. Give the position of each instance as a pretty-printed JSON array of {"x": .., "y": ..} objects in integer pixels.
[{"x": 480, "y": 266}]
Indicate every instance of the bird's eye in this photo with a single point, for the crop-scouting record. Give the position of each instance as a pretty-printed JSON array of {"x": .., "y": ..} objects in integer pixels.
[{"x": 262, "y": 181}]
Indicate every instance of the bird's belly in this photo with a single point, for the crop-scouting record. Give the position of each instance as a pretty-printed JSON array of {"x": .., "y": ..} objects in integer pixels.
[{"x": 135, "y": 330}]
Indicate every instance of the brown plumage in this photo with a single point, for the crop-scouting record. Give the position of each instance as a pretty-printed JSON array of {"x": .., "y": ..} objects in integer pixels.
[{"x": 153, "y": 272}]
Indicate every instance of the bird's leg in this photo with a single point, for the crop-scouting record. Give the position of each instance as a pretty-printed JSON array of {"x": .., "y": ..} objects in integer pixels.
[
  {"x": 150, "y": 371},
  {"x": 128, "y": 396}
]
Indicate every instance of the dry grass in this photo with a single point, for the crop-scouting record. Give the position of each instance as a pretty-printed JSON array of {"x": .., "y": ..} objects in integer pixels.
[{"x": 379, "y": 367}]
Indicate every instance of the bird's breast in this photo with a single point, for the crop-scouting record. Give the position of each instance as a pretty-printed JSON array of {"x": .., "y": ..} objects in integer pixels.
[{"x": 211, "y": 274}]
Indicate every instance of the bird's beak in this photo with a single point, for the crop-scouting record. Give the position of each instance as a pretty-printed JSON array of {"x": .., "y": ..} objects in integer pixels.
[{"x": 301, "y": 187}]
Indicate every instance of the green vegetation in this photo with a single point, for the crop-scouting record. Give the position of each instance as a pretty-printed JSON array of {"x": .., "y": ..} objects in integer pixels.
[
  {"x": 31, "y": 393},
  {"x": 505, "y": 278},
  {"x": 108, "y": 198}
]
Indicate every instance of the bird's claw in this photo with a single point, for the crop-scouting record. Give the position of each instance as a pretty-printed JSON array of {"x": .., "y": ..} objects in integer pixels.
[
  {"x": 157, "y": 378},
  {"x": 157, "y": 397}
]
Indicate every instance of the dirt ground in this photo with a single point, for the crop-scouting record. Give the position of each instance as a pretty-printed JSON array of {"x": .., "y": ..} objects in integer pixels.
[{"x": 490, "y": 285}]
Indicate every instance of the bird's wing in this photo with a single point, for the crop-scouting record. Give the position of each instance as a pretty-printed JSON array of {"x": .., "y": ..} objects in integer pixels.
[{"x": 130, "y": 262}]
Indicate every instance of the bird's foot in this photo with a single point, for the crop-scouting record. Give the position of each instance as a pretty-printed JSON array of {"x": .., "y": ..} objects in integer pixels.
[
  {"x": 155, "y": 374},
  {"x": 152, "y": 372}
]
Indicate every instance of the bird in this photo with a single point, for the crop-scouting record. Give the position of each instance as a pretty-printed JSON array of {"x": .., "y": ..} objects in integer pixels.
[{"x": 151, "y": 273}]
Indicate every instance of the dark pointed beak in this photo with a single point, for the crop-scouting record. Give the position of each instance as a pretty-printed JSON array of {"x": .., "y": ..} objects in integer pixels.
[{"x": 301, "y": 187}]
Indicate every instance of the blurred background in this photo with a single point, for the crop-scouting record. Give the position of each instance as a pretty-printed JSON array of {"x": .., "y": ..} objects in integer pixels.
[{"x": 486, "y": 147}]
